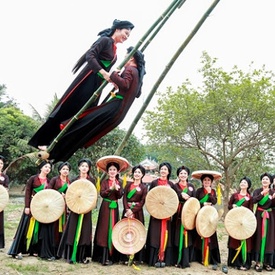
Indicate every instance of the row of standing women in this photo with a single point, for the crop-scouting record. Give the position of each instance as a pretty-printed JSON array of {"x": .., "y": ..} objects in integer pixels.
[{"x": 168, "y": 243}]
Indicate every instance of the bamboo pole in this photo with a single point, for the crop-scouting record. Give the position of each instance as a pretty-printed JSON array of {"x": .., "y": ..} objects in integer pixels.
[
  {"x": 162, "y": 76},
  {"x": 175, "y": 3}
]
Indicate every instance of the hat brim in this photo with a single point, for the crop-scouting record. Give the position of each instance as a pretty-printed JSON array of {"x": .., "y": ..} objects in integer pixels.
[
  {"x": 189, "y": 212},
  {"x": 240, "y": 223},
  {"x": 129, "y": 236},
  {"x": 207, "y": 221},
  {"x": 197, "y": 174},
  {"x": 103, "y": 162},
  {"x": 47, "y": 206},
  {"x": 4, "y": 197},
  {"x": 81, "y": 196},
  {"x": 161, "y": 202}
]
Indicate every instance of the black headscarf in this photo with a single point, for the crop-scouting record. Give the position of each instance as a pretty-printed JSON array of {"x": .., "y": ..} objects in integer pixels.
[
  {"x": 139, "y": 57},
  {"x": 117, "y": 25},
  {"x": 44, "y": 162},
  {"x": 267, "y": 175},
  {"x": 62, "y": 164}
]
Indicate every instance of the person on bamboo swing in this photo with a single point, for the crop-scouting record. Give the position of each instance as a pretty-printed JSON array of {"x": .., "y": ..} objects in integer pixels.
[
  {"x": 97, "y": 121},
  {"x": 207, "y": 249},
  {"x": 240, "y": 259},
  {"x": 77, "y": 247},
  {"x": 133, "y": 201},
  {"x": 111, "y": 190},
  {"x": 183, "y": 243},
  {"x": 95, "y": 65},
  {"x": 264, "y": 198},
  {"x": 159, "y": 234}
]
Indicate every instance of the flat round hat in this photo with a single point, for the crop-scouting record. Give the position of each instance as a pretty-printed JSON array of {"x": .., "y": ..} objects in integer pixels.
[
  {"x": 197, "y": 174},
  {"x": 240, "y": 223},
  {"x": 81, "y": 196},
  {"x": 122, "y": 162},
  {"x": 4, "y": 198},
  {"x": 207, "y": 221},
  {"x": 189, "y": 213},
  {"x": 129, "y": 236},
  {"x": 161, "y": 202},
  {"x": 47, "y": 205}
]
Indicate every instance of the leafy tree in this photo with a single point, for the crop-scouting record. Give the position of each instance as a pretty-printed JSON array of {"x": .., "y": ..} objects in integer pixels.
[
  {"x": 228, "y": 123},
  {"x": 16, "y": 129}
]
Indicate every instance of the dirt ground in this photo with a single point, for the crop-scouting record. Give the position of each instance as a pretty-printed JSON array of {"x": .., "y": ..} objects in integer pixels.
[{"x": 31, "y": 265}]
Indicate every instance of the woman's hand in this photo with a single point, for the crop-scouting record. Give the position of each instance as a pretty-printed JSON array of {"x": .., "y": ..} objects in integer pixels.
[{"x": 27, "y": 211}]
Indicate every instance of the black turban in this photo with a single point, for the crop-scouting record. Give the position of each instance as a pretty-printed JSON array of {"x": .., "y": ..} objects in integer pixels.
[{"x": 117, "y": 24}]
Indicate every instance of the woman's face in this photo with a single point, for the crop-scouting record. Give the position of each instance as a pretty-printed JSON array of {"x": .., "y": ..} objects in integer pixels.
[
  {"x": 112, "y": 171},
  {"x": 243, "y": 184},
  {"x": 64, "y": 171},
  {"x": 164, "y": 171},
  {"x": 183, "y": 175},
  {"x": 137, "y": 174},
  {"x": 121, "y": 35},
  {"x": 84, "y": 168},
  {"x": 46, "y": 169},
  {"x": 207, "y": 182},
  {"x": 265, "y": 181}
]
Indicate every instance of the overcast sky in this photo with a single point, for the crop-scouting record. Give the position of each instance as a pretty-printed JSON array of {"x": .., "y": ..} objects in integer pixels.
[{"x": 42, "y": 40}]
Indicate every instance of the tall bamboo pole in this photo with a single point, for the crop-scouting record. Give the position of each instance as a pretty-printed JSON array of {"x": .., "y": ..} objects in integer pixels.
[
  {"x": 162, "y": 76},
  {"x": 175, "y": 3}
]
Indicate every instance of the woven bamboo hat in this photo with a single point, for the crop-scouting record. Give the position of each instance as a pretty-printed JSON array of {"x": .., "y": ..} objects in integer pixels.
[
  {"x": 129, "y": 236},
  {"x": 197, "y": 174},
  {"x": 47, "y": 205},
  {"x": 122, "y": 162},
  {"x": 189, "y": 213},
  {"x": 81, "y": 196},
  {"x": 240, "y": 223},
  {"x": 161, "y": 202},
  {"x": 4, "y": 197},
  {"x": 207, "y": 221}
]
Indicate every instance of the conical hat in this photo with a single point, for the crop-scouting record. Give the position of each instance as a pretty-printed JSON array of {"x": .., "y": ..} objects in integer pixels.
[
  {"x": 240, "y": 223},
  {"x": 129, "y": 236},
  {"x": 162, "y": 202},
  {"x": 122, "y": 162},
  {"x": 207, "y": 221},
  {"x": 47, "y": 205},
  {"x": 197, "y": 174},
  {"x": 81, "y": 196},
  {"x": 4, "y": 197},
  {"x": 189, "y": 212}
]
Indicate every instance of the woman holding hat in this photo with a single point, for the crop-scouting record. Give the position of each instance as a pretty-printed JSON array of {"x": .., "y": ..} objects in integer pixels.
[
  {"x": 31, "y": 236},
  {"x": 97, "y": 121},
  {"x": 159, "y": 234},
  {"x": 134, "y": 199},
  {"x": 4, "y": 180},
  {"x": 110, "y": 191},
  {"x": 69, "y": 249},
  {"x": 60, "y": 183},
  {"x": 96, "y": 63},
  {"x": 241, "y": 198},
  {"x": 183, "y": 245},
  {"x": 264, "y": 198},
  {"x": 207, "y": 249}
]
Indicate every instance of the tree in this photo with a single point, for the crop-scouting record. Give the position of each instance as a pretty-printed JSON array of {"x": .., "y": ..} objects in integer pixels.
[
  {"x": 16, "y": 129},
  {"x": 228, "y": 122}
]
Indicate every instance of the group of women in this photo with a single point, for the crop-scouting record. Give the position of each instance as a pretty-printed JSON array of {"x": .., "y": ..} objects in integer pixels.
[{"x": 167, "y": 242}]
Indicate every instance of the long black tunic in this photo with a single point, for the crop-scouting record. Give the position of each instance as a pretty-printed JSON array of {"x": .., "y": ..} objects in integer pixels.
[{"x": 79, "y": 92}]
